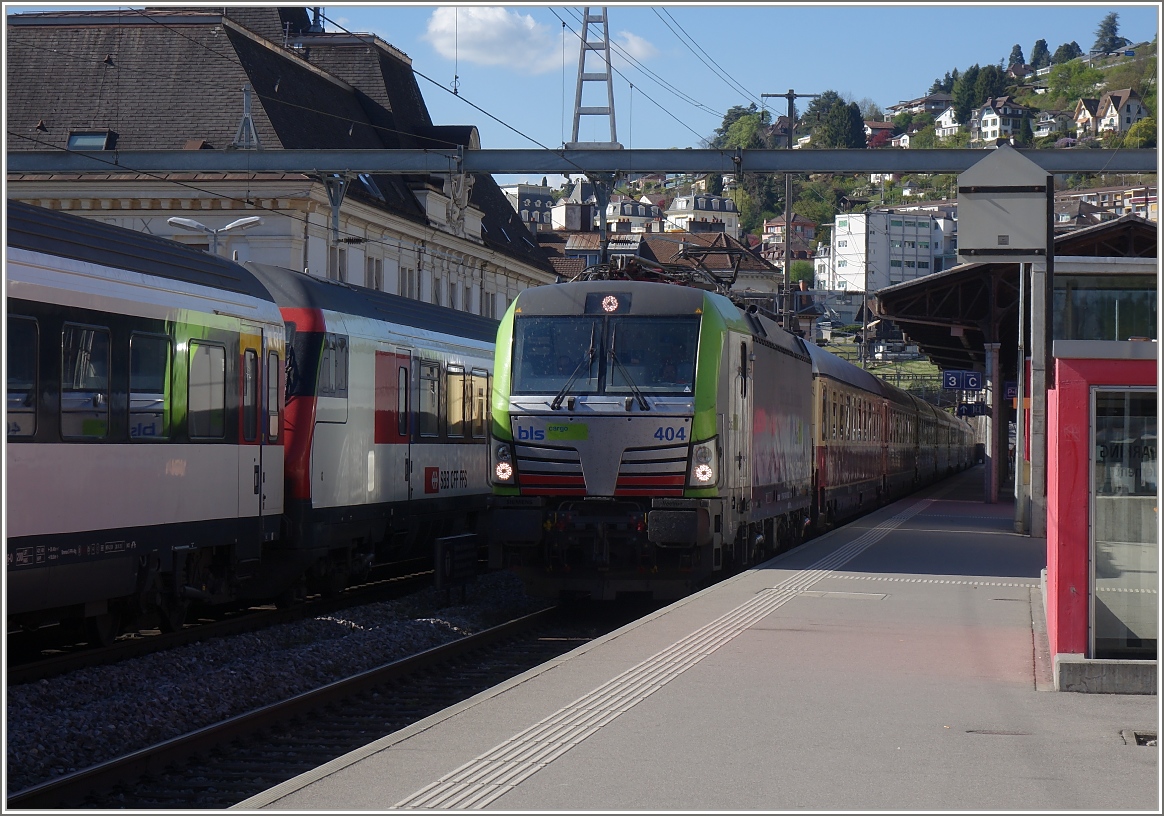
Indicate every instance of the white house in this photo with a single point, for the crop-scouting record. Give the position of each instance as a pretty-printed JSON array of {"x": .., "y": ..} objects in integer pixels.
[
  {"x": 999, "y": 118},
  {"x": 628, "y": 215},
  {"x": 1052, "y": 122},
  {"x": 946, "y": 124},
  {"x": 700, "y": 212},
  {"x": 1119, "y": 110}
]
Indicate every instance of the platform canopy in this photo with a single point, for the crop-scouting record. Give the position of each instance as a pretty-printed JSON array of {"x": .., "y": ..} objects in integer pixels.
[{"x": 951, "y": 315}]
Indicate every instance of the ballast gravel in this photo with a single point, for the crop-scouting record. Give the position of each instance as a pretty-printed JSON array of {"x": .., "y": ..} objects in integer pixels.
[{"x": 61, "y": 725}]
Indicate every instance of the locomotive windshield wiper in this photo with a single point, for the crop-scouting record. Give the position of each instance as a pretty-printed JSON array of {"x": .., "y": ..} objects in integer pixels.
[
  {"x": 629, "y": 381},
  {"x": 588, "y": 360}
]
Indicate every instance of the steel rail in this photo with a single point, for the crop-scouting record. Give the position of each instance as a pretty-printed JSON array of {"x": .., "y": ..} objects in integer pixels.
[
  {"x": 69, "y": 790},
  {"x": 644, "y": 160}
]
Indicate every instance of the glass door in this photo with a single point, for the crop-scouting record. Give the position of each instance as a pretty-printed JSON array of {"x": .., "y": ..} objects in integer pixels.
[{"x": 1124, "y": 514}]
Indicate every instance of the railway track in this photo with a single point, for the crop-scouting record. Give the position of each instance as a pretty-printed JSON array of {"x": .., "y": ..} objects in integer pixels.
[
  {"x": 29, "y": 661},
  {"x": 223, "y": 764}
]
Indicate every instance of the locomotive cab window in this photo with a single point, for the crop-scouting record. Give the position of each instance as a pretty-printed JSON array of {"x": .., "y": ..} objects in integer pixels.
[
  {"x": 149, "y": 387},
  {"x": 206, "y": 402},
  {"x": 23, "y": 353},
  {"x": 84, "y": 382}
]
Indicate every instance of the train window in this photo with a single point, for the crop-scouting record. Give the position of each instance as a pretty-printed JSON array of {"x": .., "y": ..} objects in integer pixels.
[
  {"x": 272, "y": 396},
  {"x": 455, "y": 396},
  {"x": 149, "y": 387},
  {"x": 23, "y": 353},
  {"x": 479, "y": 404},
  {"x": 824, "y": 412},
  {"x": 428, "y": 411},
  {"x": 84, "y": 382},
  {"x": 402, "y": 401},
  {"x": 834, "y": 418},
  {"x": 206, "y": 402},
  {"x": 250, "y": 400},
  {"x": 333, "y": 366},
  {"x": 743, "y": 369}
]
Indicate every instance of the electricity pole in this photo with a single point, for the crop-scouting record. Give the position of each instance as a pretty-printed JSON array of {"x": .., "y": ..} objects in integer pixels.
[{"x": 791, "y": 96}]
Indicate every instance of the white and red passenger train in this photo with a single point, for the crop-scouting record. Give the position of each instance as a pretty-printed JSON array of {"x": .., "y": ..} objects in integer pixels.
[{"x": 186, "y": 430}]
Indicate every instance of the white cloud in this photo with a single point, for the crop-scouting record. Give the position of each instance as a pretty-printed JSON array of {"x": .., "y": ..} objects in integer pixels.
[
  {"x": 491, "y": 35},
  {"x": 636, "y": 46}
]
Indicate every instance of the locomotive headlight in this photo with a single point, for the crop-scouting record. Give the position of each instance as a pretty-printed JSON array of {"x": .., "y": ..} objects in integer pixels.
[
  {"x": 704, "y": 464},
  {"x": 503, "y": 471}
]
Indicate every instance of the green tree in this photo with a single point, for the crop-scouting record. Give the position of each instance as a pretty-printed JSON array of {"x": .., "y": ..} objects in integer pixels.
[
  {"x": 1066, "y": 52},
  {"x": 991, "y": 83},
  {"x": 817, "y": 110},
  {"x": 1025, "y": 134},
  {"x": 714, "y": 182},
  {"x": 802, "y": 271},
  {"x": 1072, "y": 80},
  {"x": 853, "y": 134},
  {"x": 1016, "y": 56},
  {"x": 719, "y": 139},
  {"x": 1107, "y": 36},
  {"x": 924, "y": 138},
  {"x": 1142, "y": 134},
  {"x": 1040, "y": 55},
  {"x": 902, "y": 121},
  {"x": 964, "y": 99}
]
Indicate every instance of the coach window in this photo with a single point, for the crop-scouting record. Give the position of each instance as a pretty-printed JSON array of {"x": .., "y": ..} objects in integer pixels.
[
  {"x": 272, "y": 396},
  {"x": 207, "y": 398},
  {"x": 402, "y": 401},
  {"x": 455, "y": 395},
  {"x": 333, "y": 367},
  {"x": 250, "y": 401},
  {"x": 84, "y": 382},
  {"x": 824, "y": 413},
  {"x": 149, "y": 387},
  {"x": 23, "y": 352},
  {"x": 479, "y": 403},
  {"x": 428, "y": 412}
]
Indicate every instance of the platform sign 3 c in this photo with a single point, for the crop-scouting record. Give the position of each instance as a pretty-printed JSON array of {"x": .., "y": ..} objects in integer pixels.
[{"x": 954, "y": 380}]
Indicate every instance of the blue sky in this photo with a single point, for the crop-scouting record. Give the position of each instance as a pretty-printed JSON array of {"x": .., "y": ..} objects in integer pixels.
[{"x": 519, "y": 63}]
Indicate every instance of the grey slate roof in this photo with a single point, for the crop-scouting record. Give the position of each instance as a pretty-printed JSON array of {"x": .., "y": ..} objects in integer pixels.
[{"x": 176, "y": 77}]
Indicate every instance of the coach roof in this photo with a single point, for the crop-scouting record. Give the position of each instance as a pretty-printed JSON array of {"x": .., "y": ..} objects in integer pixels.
[
  {"x": 84, "y": 239},
  {"x": 297, "y": 290}
]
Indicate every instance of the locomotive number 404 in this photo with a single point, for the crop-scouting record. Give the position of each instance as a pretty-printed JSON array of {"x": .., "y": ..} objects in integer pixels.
[{"x": 668, "y": 433}]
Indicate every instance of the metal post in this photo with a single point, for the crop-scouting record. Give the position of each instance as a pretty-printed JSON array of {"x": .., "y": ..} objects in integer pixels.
[
  {"x": 1021, "y": 475},
  {"x": 1039, "y": 316},
  {"x": 993, "y": 422},
  {"x": 864, "y": 349},
  {"x": 791, "y": 96}
]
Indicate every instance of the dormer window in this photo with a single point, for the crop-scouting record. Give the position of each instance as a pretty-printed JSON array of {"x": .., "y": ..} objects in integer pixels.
[{"x": 92, "y": 140}]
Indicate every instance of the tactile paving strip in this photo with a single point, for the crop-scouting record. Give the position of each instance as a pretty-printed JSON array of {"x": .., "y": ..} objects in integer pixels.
[{"x": 491, "y": 775}]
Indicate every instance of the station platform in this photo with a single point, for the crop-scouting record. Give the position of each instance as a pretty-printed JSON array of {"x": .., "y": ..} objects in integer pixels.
[{"x": 899, "y": 662}]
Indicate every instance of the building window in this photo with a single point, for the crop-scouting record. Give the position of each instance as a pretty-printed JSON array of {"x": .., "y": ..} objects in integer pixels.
[
  {"x": 374, "y": 275},
  {"x": 91, "y": 140},
  {"x": 895, "y": 263}
]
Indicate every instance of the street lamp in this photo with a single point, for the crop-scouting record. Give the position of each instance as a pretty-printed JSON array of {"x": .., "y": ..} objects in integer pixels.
[{"x": 198, "y": 226}]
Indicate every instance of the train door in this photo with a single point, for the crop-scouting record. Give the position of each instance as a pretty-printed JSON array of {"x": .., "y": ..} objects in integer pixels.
[
  {"x": 394, "y": 422},
  {"x": 251, "y": 425},
  {"x": 739, "y": 467}
]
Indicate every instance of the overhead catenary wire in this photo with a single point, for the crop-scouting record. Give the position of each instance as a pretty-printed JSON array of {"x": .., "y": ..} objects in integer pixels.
[{"x": 699, "y": 52}]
